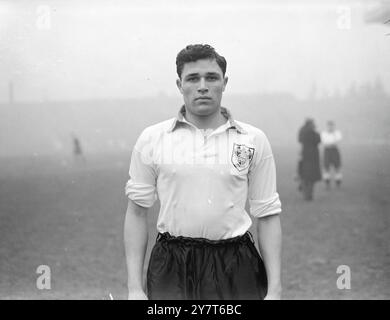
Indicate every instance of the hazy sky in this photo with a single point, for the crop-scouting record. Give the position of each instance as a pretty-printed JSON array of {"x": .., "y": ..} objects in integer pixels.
[{"x": 118, "y": 49}]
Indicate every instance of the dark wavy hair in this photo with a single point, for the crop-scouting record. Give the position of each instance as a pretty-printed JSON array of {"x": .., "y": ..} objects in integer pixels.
[{"x": 195, "y": 52}]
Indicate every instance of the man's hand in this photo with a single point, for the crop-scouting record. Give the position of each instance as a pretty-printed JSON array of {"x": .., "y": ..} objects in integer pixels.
[
  {"x": 274, "y": 295},
  {"x": 137, "y": 295}
]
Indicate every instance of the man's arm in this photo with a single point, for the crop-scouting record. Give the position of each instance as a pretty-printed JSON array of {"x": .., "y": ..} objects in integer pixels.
[
  {"x": 269, "y": 233},
  {"x": 136, "y": 240}
]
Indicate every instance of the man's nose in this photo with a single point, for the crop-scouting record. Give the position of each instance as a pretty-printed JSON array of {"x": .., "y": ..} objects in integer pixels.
[{"x": 202, "y": 86}]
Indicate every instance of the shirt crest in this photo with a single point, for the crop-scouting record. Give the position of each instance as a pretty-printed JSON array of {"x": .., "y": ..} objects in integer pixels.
[{"x": 242, "y": 156}]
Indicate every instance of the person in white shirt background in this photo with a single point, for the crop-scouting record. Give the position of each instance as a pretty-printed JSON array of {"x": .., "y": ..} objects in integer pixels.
[
  {"x": 330, "y": 139},
  {"x": 203, "y": 165}
]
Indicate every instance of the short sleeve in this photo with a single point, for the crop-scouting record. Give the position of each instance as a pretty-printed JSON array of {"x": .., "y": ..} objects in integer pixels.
[
  {"x": 141, "y": 186},
  {"x": 262, "y": 195}
]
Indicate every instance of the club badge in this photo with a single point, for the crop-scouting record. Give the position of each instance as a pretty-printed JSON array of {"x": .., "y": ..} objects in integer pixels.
[{"x": 242, "y": 156}]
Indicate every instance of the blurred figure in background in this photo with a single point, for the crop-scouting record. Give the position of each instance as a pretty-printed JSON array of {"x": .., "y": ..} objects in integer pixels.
[
  {"x": 330, "y": 139},
  {"x": 309, "y": 169},
  {"x": 77, "y": 150}
]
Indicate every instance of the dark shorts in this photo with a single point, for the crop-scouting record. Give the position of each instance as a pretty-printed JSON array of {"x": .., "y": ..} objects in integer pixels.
[
  {"x": 183, "y": 268},
  {"x": 332, "y": 158}
]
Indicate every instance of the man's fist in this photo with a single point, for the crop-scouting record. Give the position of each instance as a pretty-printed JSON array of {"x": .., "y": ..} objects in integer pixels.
[{"x": 137, "y": 295}]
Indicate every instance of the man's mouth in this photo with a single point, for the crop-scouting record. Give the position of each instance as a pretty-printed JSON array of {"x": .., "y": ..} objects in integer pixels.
[{"x": 203, "y": 98}]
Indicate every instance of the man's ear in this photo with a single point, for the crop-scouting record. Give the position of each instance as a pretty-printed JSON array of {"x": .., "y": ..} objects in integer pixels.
[
  {"x": 225, "y": 81},
  {"x": 178, "y": 84}
]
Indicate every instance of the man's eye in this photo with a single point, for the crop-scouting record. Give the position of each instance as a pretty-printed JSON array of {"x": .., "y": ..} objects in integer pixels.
[
  {"x": 212, "y": 78},
  {"x": 192, "y": 79}
]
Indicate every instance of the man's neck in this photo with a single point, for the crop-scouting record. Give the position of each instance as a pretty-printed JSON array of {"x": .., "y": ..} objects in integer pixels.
[{"x": 212, "y": 121}]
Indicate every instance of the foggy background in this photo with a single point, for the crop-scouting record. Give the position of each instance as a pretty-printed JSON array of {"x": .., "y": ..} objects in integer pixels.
[
  {"x": 102, "y": 71},
  {"x": 105, "y": 71}
]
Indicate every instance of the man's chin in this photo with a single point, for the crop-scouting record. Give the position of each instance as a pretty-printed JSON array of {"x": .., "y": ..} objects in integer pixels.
[{"x": 204, "y": 109}]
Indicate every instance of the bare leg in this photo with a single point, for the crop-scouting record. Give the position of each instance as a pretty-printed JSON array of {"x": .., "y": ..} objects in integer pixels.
[
  {"x": 326, "y": 176},
  {"x": 338, "y": 177}
]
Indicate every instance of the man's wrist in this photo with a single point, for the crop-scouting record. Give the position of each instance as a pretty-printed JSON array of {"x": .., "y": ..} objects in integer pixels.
[
  {"x": 134, "y": 287},
  {"x": 275, "y": 289}
]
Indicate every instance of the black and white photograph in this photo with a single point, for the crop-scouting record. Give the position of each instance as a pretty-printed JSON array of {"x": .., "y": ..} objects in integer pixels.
[{"x": 194, "y": 150}]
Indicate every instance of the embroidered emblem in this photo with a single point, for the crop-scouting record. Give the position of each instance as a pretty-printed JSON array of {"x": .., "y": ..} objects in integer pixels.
[{"x": 242, "y": 156}]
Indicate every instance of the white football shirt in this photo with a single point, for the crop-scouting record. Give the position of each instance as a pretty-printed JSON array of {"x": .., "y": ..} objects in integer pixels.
[
  {"x": 330, "y": 139},
  {"x": 203, "y": 179}
]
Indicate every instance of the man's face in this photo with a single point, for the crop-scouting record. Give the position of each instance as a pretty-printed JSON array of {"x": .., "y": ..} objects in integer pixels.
[
  {"x": 202, "y": 84},
  {"x": 330, "y": 126}
]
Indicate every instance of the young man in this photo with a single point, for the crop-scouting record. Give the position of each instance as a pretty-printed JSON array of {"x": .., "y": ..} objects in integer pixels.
[
  {"x": 331, "y": 138},
  {"x": 203, "y": 165}
]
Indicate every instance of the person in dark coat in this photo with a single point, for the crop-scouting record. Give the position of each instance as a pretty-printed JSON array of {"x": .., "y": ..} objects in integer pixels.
[
  {"x": 78, "y": 154},
  {"x": 77, "y": 147},
  {"x": 309, "y": 169}
]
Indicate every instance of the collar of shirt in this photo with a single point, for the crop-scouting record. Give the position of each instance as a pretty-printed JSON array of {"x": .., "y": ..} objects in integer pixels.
[{"x": 225, "y": 112}]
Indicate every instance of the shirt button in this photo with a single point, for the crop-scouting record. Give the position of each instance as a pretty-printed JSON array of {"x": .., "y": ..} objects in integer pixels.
[
  {"x": 209, "y": 201},
  {"x": 231, "y": 204}
]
